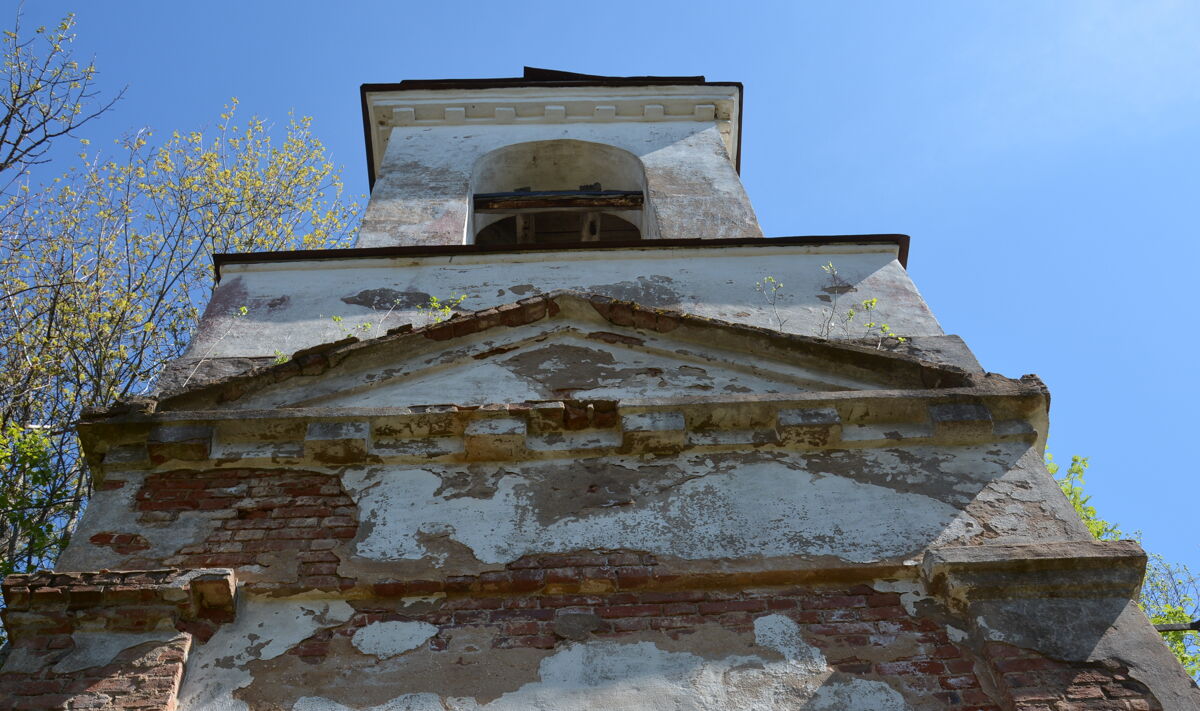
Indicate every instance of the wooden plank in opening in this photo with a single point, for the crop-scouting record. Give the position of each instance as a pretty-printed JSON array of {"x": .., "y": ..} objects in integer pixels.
[{"x": 610, "y": 199}]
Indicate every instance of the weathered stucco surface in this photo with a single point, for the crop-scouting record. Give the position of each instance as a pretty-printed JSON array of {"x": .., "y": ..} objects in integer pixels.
[
  {"x": 616, "y": 478},
  {"x": 663, "y": 542},
  {"x": 780, "y": 670},
  {"x": 576, "y": 355},
  {"x": 291, "y": 305},
  {"x": 265, "y": 630},
  {"x": 428, "y": 174},
  {"x": 694, "y": 508}
]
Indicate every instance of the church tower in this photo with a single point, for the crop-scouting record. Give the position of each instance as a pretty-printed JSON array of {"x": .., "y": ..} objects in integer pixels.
[{"x": 564, "y": 431}]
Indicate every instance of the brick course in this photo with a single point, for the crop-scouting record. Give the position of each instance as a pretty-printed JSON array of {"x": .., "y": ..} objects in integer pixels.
[
  {"x": 309, "y": 518},
  {"x": 863, "y": 639},
  {"x": 141, "y": 679},
  {"x": 302, "y": 514},
  {"x": 43, "y": 612},
  {"x": 862, "y": 633},
  {"x": 1034, "y": 682}
]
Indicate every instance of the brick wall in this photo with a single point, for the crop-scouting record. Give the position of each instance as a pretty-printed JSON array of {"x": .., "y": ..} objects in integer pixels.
[
  {"x": 159, "y": 613},
  {"x": 261, "y": 516},
  {"x": 860, "y": 631},
  {"x": 260, "y": 513},
  {"x": 139, "y": 678},
  {"x": 1036, "y": 683}
]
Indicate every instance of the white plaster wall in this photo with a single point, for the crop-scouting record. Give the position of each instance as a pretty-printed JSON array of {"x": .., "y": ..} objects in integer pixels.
[
  {"x": 782, "y": 672},
  {"x": 422, "y": 195},
  {"x": 550, "y": 360},
  {"x": 291, "y": 304},
  {"x": 264, "y": 630},
  {"x": 385, "y": 640},
  {"x": 860, "y": 507},
  {"x": 557, "y": 165}
]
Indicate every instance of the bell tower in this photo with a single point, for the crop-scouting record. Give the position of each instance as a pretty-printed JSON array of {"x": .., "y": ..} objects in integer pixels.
[
  {"x": 564, "y": 431},
  {"x": 554, "y": 157}
]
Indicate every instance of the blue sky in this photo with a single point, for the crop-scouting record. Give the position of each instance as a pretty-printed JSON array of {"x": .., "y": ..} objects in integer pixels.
[{"x": 1042, "y": 155}]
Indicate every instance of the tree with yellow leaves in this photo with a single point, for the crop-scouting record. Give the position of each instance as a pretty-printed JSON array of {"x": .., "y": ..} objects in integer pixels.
[{"x": 105, "y": 270}]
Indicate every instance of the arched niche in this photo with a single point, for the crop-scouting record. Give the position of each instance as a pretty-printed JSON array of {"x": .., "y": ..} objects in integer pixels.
[{"x": 547, "y": 192}]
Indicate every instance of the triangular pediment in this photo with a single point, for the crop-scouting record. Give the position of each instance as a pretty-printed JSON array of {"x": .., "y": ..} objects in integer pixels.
[{"x": 566, "y": 346}]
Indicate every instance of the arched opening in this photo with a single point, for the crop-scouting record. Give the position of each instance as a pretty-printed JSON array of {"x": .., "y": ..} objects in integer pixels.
[
  {"x": 558, "y": 227},
  {"x": 558, "y": 192}
]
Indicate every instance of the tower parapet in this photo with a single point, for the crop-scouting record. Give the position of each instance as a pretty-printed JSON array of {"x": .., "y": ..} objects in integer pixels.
[{"x": 660, "y": 154}]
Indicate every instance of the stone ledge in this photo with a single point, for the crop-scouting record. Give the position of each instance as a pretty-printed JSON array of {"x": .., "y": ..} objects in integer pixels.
[
  {"x": 45, "y": 599},
  {"x": 1079, "y": 569},
  {"x": 852, "y": 359},
  {"x": 561, "y": 429}
]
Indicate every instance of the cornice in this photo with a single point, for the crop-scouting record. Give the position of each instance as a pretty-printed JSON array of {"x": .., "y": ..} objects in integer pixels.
[{"x": 386, "y": 110}]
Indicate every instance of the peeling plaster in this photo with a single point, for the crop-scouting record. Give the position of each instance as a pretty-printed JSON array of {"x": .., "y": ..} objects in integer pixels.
[
  {"x": 390, "y": 639},
  {"x": 714, "y": 283},
  {"x": 783, "y": 635},
  {"x": 640, "y": 675},
  {"x": 408, "y": 702},
  {"x": 911, "y": 592},
  {"x": 265, "y": 629},
  {"x": 113, "y": 510},
  {"x": 91, "y": 649},
  {"x": 734, "y": 507},
  {"x": 565, "y": 356},
  {"x": 96, "y": 649}
]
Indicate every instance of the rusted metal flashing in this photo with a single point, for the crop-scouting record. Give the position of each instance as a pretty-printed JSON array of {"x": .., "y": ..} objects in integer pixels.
[{"x": 901, "y": 242}]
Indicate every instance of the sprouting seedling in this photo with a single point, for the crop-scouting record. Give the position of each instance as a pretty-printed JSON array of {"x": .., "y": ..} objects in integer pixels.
[
  {"x": 873, "y": 326},
  {"x": 835, "y": 288},
  {"x": 876, "y": 329},
  {"x": 769, "y": 287},
  {"x": 437, "y": 310},
  {"x": 352, "y": 331}
]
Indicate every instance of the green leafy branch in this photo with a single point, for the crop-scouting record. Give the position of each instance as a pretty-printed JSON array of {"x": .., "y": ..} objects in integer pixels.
[
  {"x": 1170, "y": 591},
  {"x": 437, "y": 310},
  {"x": 769, "y": 288}
]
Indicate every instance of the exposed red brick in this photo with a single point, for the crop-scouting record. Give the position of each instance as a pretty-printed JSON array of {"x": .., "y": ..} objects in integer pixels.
[
  {"x": 119, "y": 601},
  {"x": 629, "y": 610},
  {"x": 717, "y": 608}
]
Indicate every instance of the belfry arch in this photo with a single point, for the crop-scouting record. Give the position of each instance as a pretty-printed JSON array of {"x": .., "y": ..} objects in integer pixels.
[{"x": 558, "y": 191}]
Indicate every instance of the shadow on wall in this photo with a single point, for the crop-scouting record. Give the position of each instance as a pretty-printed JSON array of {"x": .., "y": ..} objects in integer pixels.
[{"x": 555, "y": 192}]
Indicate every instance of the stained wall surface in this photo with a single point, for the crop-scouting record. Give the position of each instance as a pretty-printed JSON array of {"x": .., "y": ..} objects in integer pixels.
[
  {"x": 888, "y": 542},
  {"x": 429, "y": 148},
  {"x": 293, "y": 305},
  {"x": 663, "y": 476}
]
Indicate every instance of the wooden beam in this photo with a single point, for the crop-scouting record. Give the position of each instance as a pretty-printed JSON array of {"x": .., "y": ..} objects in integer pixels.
[
  {"x": 526, "y": 229},
  {"x": 610, "y": 199},
  {"x": 589, "y": 228}
]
